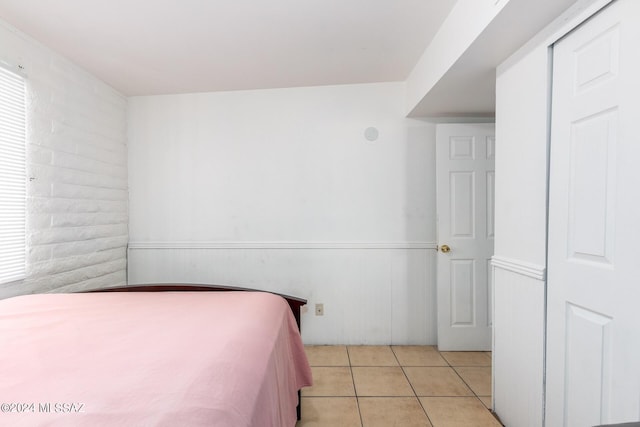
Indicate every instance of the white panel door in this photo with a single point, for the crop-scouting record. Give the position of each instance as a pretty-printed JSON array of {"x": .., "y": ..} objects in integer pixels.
[
  {"x": 593, "y": 294},
  {"x": 465, "y": 189}
]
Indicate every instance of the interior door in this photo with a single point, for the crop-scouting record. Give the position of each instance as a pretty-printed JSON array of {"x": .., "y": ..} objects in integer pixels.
[
  {"x": 465, "y": 189},
  {"x": 593, "y": 289}
]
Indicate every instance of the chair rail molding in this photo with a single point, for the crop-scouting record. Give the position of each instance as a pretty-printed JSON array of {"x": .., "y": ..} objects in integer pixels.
[
  {"x": 279, "y": 245},
  {"x": 523, "y": 268}
]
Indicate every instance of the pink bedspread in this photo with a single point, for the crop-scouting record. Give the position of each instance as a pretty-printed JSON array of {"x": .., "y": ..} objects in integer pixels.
[{"x": 150, "y": 359}]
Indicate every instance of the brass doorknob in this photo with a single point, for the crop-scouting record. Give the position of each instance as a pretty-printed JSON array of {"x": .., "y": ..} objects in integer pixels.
[{"x": 445, "y": 249}]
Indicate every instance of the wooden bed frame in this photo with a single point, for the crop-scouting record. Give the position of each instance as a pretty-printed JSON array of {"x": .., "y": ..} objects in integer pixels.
[{"x": 295, "y": 303}]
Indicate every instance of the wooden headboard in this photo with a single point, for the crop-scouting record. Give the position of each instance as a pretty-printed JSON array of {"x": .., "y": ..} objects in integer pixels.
[{"x": 294, "y": 302}]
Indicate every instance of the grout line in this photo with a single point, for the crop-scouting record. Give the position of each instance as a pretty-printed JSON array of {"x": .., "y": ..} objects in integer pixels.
[
  {"x": 465, "y": 383},
  {"x": 412, "y": 388},
  {"x": 355, "y": 390},
  {"x": 468, "y": 386}
]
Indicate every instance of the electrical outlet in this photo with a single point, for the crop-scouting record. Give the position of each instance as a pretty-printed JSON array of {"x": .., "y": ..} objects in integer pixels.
[{"x": 319, "y": 309}]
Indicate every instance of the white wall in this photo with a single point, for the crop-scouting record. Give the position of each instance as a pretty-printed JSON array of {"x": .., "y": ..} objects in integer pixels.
[
  {"x": 521, "y": 205},
  {"x": 280, "y": 190},
  {"x": 77, "y": 194},
  {"x": 521, "y": 135}
]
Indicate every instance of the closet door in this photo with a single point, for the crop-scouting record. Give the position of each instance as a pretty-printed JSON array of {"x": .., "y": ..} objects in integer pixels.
[{"x": 593, "y": 293}]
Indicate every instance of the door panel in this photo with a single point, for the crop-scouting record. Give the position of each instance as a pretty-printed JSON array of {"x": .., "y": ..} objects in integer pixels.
[
  {"x": 462, "y": 195},
  {"x": 462, "y": 291},
  {"x": 593, "y": 326},
  {"x": 592, "y": 187},
  {"x": 491, "y": 200},
  {"x": 588, "y": 348},
  {"x": 465, "y": 181}
]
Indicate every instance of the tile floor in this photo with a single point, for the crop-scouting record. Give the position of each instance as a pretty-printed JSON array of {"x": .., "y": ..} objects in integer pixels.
[{"x": 406, "y": 386}]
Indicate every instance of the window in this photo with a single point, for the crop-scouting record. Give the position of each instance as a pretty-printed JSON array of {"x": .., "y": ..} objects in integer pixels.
[{"x": 12, "y": 176}]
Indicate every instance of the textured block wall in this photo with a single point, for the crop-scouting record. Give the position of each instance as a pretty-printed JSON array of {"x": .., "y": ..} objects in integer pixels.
[{"x": 77, "y": 201}]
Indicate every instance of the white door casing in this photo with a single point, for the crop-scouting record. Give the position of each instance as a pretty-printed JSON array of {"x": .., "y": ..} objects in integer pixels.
[
  {"x": 465, "y": 177},
  {"x": 593, "y": 290}
]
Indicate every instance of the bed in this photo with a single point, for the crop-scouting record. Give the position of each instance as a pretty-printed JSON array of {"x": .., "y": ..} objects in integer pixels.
[{"x": 162, "y": 355}]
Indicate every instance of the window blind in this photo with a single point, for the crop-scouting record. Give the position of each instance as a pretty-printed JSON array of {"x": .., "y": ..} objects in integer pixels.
[{"x": 12, "y": 176}]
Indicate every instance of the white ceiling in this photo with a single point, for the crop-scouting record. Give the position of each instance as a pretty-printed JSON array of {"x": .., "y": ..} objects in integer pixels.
[{"x": 144, "y": 47}]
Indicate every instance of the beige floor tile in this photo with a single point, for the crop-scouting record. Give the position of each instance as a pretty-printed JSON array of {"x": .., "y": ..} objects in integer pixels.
[
  {"x": 371, "y": 355},
  {"x": 458, "y": 412},
  {"x": 418, "y": 355},
  {"x": 330, "y": 381},
  {"x": 392, "y": 411},
  {"x": 467, "y": 358},
  {"x": 486, "y": 400},
  {"x": 436, "y": 381},
  {"x": 381, "y": 381},
  {"x": 329, "y": 412},
  {"x": 478, "y": 378},
  {"x": 327, "y": 355}
]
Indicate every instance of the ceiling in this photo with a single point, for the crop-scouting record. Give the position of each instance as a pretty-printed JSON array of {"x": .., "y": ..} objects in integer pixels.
[{"x": 147, "y": 47}]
